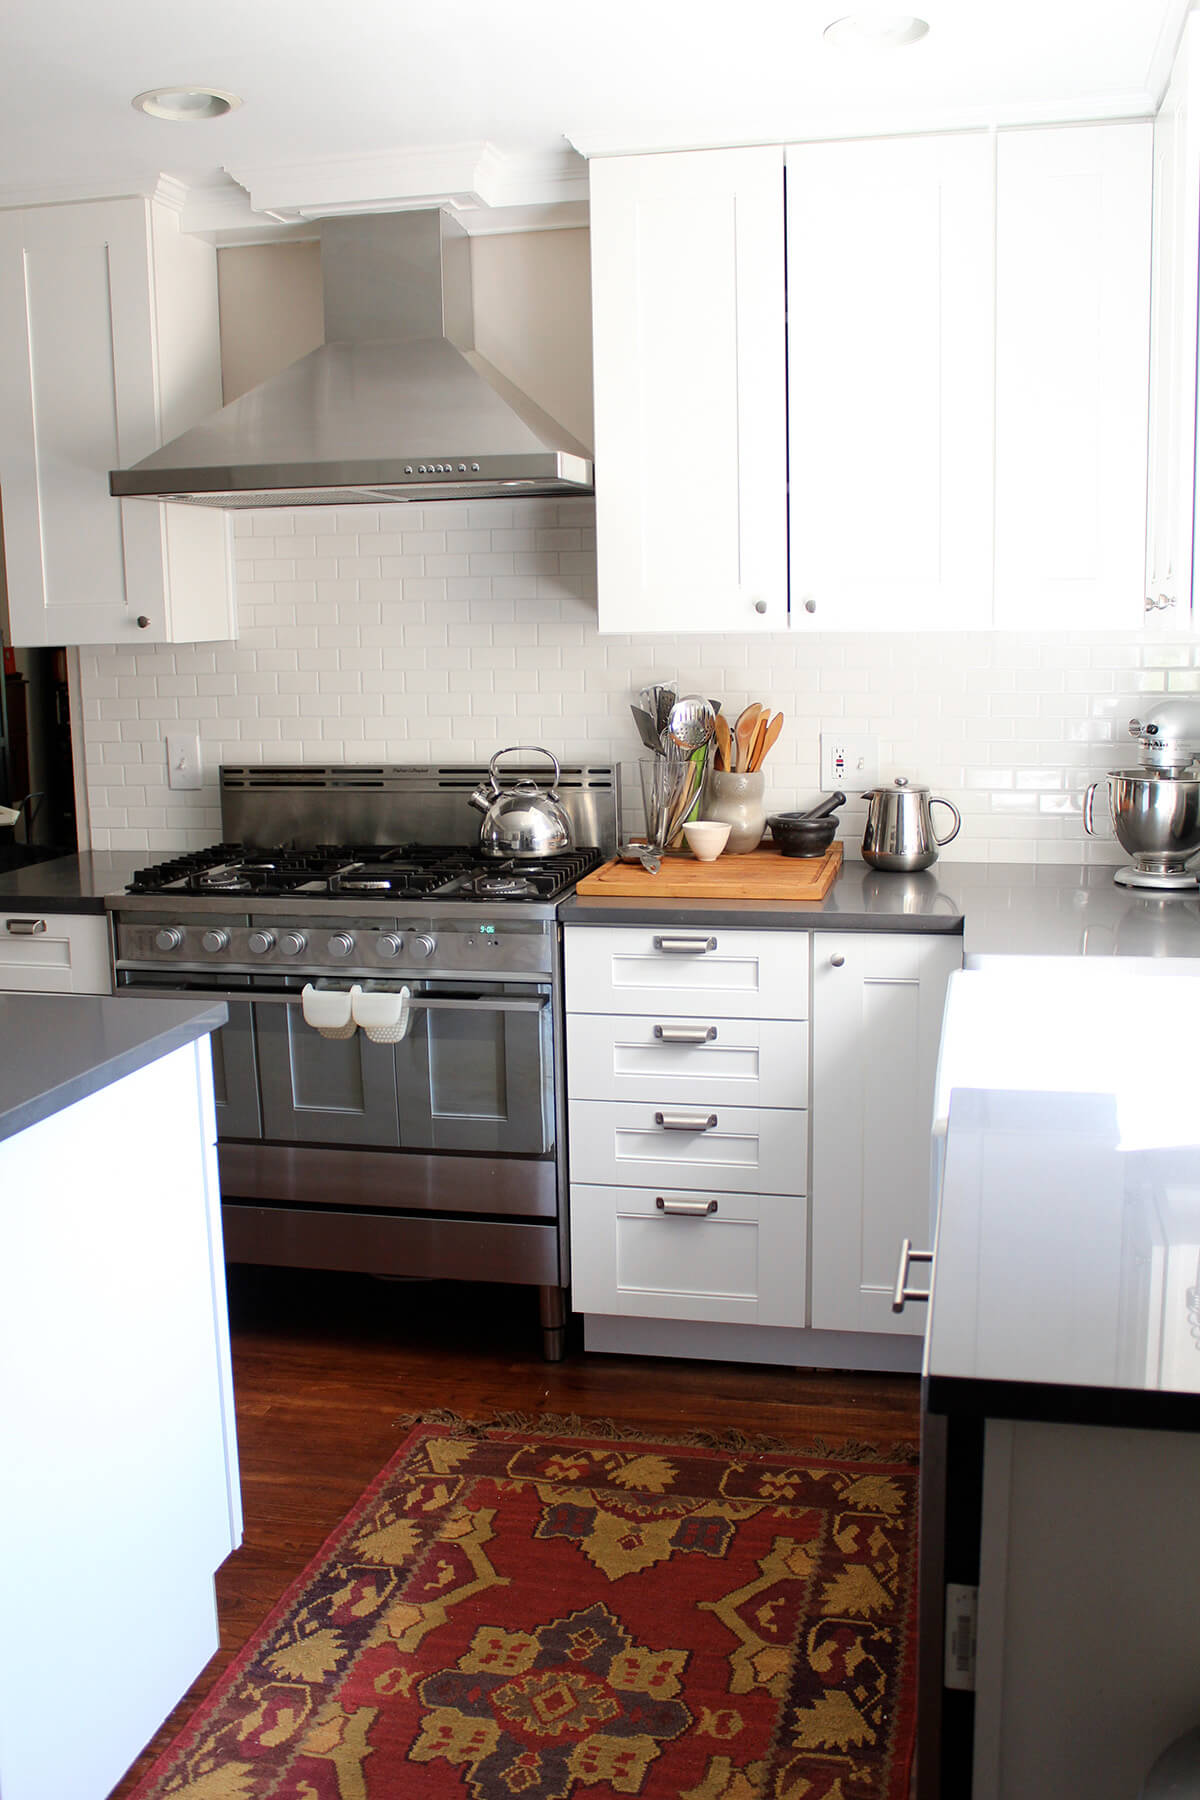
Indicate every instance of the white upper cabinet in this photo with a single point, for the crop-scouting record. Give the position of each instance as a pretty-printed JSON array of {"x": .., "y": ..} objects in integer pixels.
[
  {"x": 109, "y": 346},
  {"x": 690, "y": 391},
  {"x": 1073, "y": 212},
  {"x": 1176, "y": 249},
  {"x": 890, "y": 396}
]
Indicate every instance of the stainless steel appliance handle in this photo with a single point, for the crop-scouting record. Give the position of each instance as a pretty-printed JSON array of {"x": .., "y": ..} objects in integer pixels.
[
  {"x": 685, "y": 1034},
  {"x": 686, "y": 1121},
  {"x": 504, "y": 1003},
  {"x": 686, "y": 1209},
  {"x": 25, "y": 927},
  {"x": 685, "y": 946},
  {"x": 902, "y": 1292}
]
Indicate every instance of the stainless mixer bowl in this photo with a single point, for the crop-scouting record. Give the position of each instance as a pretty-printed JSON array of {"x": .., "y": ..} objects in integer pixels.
[{"x": 1156, "y": 817}]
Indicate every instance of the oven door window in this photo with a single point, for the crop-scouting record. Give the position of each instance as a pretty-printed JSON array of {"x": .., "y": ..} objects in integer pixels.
[{"x": 475, "y": 1071}]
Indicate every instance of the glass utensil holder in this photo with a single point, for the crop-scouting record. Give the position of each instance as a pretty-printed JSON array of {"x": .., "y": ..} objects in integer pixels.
[
  {"x": 670, "y": 794},
  {"x": 737, "y": 800}
]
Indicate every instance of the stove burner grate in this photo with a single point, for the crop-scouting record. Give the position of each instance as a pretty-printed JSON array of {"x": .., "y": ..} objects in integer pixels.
[{"x": 371, "y": 871}]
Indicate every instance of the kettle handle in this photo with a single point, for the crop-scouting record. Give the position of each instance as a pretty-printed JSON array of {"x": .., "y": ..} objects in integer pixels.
[
  {"x": 936, "y": 800},
  {"x": 538, "y": 751}
]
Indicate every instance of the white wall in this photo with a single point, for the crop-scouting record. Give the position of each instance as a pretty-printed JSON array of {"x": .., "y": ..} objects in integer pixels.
[{"x": 447, "y": 632}]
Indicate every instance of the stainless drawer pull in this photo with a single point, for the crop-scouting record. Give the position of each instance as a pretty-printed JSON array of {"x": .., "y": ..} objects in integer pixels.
[
  {"x": 686, "y": 1209},
  {"x": 685, "y": 946},
  {"x": 685, "y": 1034},
  {"x": 685, "y": 1121},
  {"x": 902, "y": 1292},
  {"x": 26, "y": 927}
]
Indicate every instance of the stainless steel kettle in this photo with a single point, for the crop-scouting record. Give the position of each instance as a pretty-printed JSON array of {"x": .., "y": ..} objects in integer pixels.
[
  {"x": 900, "y": 833},
  {"x": 521, "y": 821}
]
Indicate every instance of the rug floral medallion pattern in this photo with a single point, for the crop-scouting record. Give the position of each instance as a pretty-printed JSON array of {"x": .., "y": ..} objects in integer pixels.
[{"x": 506, "y": 1616}]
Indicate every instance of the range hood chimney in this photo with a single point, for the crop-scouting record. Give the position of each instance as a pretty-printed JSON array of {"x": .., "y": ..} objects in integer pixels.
[{"x": 396, "y": 404}]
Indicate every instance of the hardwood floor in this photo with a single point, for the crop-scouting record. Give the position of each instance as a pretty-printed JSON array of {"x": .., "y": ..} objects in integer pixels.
[{"x": 326, "y": 1368}]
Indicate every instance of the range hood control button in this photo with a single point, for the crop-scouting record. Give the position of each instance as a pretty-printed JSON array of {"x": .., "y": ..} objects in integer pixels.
[
  {"x": 259, "y": 942},
  {"x": 215, "y": 940},
  {"x": 422, "y": 946},
  {"x": 389, "y": 945},
  {"x": 291, "y": 943},
  {"x": 169, "y": 939},
  {"x": 340, "y": 944}
]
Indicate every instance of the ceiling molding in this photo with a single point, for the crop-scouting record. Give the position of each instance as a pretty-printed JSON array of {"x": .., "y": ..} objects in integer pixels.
[{"x": 465, "y": 177}]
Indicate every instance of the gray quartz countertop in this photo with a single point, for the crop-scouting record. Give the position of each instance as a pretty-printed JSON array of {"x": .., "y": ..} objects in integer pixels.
[
  {"x": 999, "y": 909},
  {"x": 60, "y": 1048}
]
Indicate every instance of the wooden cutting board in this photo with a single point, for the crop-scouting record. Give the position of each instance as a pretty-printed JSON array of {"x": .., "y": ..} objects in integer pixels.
[{"x": 760, "y": 875}]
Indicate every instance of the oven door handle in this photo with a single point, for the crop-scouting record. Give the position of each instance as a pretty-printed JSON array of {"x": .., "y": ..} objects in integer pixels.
[{"x": 506, "y": 1003}]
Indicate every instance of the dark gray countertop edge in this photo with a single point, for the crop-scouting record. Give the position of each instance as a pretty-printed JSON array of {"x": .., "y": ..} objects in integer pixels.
[
  {"x": 178, "y": 1023},
  {"x": 768, "y": 915}
]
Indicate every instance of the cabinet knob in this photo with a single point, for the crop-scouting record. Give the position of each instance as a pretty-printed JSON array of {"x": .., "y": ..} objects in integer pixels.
[
  {"x": 142, "y": 622},
  {"x": 837, "y": 962},
  {"x": 760, "y": 606},
  {"x": 810, "y": 606}
]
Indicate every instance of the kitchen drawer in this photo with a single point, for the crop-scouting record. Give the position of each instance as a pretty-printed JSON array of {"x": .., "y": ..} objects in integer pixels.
[
  {"x": 728, "y": 974},
  {"x": 743, "y": 1262},
  {"x": 736, "y": 1062},
  {"x": 54, "y": 953},
  {"x": 748, "y": 1149}
]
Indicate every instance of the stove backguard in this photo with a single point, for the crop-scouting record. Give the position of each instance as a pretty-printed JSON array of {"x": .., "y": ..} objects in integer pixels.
[{"x": 394, "y": 803}]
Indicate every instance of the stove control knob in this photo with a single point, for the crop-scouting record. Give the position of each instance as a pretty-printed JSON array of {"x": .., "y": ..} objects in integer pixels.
[
  {"x": 291, "y": 943},
  {"x": 340, "y": 944},
  {"x": 422, "y": 946},
  {"x": 169, "y": 938},
  {"x": 215, "y": 940},
  {"x": 389, "y": 945},
  {"x": 259, "y": 942}
]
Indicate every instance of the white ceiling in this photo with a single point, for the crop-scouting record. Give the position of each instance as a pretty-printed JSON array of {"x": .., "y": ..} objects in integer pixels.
[{"x": 487, "y": 102}]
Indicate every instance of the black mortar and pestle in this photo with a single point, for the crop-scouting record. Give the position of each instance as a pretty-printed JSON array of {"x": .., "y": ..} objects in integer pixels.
[{"x": 807, "y": 833}]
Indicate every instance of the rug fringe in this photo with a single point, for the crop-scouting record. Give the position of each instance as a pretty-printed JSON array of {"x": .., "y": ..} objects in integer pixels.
[{"x": 728, "y": 1440}]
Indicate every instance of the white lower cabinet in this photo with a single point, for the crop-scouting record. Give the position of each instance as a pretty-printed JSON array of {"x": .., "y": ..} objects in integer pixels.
[
  {"x": 877, "y": 1017},
  {"x": 687, "y": 1080},
  {"x": 700, "y": 1061},
  {"x": 54, "y": 953}
]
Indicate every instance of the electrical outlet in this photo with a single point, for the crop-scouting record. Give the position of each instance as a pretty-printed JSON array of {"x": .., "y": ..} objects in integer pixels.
[
  {"x": 183, "y": 761},
  {"x": 848, "y": 760}
]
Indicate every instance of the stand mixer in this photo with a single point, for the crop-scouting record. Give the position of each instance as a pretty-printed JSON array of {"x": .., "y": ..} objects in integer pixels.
[{"x": 1155, "y": 809}]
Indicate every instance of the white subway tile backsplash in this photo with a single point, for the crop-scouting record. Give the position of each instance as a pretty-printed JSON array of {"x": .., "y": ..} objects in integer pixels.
[{"x": 444, "y": 633}]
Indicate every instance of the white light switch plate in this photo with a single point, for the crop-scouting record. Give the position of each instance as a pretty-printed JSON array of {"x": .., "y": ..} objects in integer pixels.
[
  {"x": 183, "y": 761},
  {"x": 849, "y": 760}
]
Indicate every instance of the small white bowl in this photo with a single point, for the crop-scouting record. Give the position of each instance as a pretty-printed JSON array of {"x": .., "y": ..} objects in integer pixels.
[{"x": 706, "y": 838}]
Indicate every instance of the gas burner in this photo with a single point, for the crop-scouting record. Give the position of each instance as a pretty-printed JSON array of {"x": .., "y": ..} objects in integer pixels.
[
  {"x": 502, "y": 887},
  {"x": 371, "y": 871}
]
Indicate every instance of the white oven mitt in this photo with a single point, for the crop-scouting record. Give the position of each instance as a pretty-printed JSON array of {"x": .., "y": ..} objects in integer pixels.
[
  {"x": 329, "y": 1010},
  {"x": 383, "y": 1013}
]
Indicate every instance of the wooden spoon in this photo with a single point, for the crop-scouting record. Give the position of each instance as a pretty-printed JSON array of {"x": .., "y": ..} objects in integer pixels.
[
  {"x": 769, "y": 737},
  {"x": 743, "y": 735},
  {"x": 724, "y": 742}
]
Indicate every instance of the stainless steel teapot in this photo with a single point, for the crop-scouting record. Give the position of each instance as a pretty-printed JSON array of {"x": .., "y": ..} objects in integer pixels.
[
  {"x": 900, "y": 833},
  {"x": 521, "y": 821}
]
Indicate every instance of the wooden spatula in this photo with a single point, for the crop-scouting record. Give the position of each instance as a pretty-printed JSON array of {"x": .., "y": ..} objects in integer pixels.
[
  {"x": 743, "y": 735},
  {"x": 765, "y": 739},
  {"x": 724, "y": 739}
]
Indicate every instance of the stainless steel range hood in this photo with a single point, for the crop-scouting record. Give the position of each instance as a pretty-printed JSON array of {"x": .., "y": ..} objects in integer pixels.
[{"x": 395, "y": 405}]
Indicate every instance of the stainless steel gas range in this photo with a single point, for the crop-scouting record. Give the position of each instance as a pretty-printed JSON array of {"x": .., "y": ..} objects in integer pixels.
[{"x": 432, "y": 1146}]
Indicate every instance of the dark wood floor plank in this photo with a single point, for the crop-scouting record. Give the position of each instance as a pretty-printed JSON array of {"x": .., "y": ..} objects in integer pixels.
[{"x": 327, "y": 1369}]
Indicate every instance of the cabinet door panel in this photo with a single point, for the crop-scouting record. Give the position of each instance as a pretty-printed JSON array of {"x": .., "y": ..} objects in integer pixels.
[
  {"x": 319, "y": 1090},
  {"x": 689, "y": 353},
  {"x": 877, "y": 1018},
  {"x": 235, "y": 1075},
  {"x": 735, "y": 1062},
  {"x": 704, "y": 973},
  {"x": 890, "y": 273},
  {"x": 1073, "y": 218},
  {"x": 746, "y": 1149}
]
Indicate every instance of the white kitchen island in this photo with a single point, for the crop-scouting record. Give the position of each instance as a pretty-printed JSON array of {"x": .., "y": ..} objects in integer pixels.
[
  {"x": 1060, "y": 1629},
  {"x": 119, "y": 1496}
]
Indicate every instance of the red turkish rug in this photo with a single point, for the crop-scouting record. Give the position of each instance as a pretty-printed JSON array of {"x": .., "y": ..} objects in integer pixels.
[{"x": 509, "y": 1615}]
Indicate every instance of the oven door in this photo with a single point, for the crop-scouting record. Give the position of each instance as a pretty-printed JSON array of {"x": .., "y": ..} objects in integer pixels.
[{"x": 473, "y": 1073}]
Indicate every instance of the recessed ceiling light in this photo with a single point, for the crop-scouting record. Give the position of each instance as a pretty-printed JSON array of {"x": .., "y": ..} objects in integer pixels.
[
  {"x": 186, "y": 104},
  {"x": 875, "y": 31}
]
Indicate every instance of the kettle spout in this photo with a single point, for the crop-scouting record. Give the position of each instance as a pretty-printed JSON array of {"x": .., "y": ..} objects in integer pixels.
[{"x": 482, "y": 798}]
